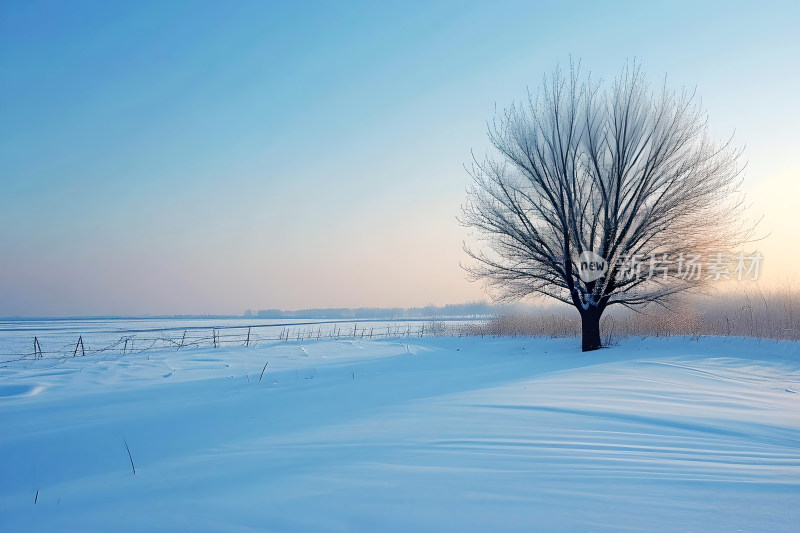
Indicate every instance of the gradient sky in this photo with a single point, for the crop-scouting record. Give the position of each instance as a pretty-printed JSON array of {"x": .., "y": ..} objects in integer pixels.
[{"x": 212, "y": 157}]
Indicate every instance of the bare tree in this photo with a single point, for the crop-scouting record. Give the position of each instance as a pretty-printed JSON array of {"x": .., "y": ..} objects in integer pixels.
[{"x": 610, "y": 178}]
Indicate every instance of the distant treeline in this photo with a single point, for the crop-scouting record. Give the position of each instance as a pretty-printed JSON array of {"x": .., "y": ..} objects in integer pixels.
[{"x": 472, "y": 309}]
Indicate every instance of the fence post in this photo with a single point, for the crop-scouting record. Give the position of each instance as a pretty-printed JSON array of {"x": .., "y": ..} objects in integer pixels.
[
  {"x": 214, "y": 337},
  {"x": 37, "y": 349},
  {"x": 79, "y": 343},
  {"x": 247, "y": 342},
  {"x": 183, "y": 338}
]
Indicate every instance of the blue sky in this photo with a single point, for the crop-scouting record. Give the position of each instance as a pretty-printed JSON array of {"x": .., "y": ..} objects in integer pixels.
[{"x": 210, "y": 157}]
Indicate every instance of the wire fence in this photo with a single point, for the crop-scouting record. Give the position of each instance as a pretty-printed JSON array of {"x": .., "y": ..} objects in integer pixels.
[{"x": 136, "y": 341}]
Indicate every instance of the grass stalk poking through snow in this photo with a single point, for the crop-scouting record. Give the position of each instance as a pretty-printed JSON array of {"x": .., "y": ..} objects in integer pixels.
[{"x": 129, "y": 454}]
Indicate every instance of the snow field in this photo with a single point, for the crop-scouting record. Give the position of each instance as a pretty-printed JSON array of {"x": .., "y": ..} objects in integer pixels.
[{"x": 432, "y": 434}]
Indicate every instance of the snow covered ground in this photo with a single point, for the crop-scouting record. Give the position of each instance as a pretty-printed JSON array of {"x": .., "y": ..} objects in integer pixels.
[{"x": 433, "y": 434}]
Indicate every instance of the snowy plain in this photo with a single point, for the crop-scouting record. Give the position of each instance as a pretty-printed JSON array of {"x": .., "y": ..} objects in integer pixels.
[{"x": 401, "y": 435}]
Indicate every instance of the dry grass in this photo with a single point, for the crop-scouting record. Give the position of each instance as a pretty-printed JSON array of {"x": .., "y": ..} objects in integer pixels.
[{"x": 753, "y": 313}]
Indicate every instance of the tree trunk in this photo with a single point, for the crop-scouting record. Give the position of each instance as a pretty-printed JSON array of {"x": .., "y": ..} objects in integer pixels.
[{"x": 590, "y": 325}]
